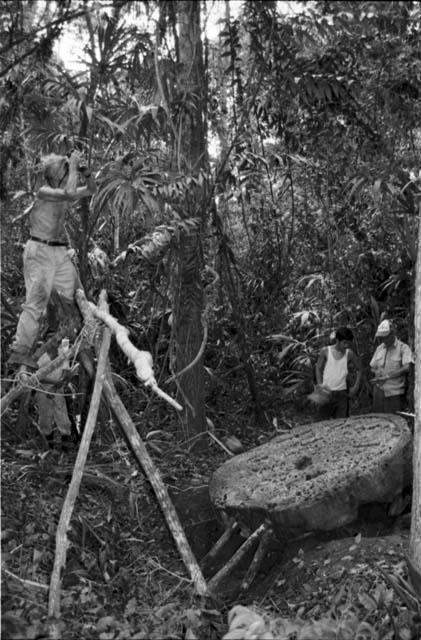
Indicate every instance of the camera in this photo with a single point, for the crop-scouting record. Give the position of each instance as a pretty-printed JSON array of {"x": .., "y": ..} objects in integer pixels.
[{"x": 82, "y": 168}]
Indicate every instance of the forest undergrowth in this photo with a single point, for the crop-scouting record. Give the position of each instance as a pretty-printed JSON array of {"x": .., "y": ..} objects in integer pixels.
[
  {"x": 257, "y": 189},
  {"x": 124, "y": 578}
]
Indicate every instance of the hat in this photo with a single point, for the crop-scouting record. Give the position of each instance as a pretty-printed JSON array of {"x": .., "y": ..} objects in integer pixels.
[{"x": 384, "y": 328}]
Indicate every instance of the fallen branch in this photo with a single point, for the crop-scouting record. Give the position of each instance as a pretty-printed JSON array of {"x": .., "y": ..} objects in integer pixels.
[
  {"x": 235, "y": 559},
  {"x": 221, "y": 444},
  {"x": 99, "y": 479},
  {"x": 30, "y": 584},
  {"x": 62, "y": 541}
]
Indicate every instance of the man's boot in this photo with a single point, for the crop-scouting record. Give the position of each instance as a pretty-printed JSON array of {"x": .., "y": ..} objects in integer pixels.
[{"x": 16, "y": 363}]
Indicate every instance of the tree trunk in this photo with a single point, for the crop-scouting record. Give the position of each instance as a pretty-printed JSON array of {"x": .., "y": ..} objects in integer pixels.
[
  {"x": 188, "y": 336},
  {"x": 191, "y": 126},
  {"x": 415, "y": 540},
  {"x": 191, "y": 157}
]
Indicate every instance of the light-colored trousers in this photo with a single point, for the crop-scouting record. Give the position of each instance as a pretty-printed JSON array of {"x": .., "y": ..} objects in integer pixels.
[
  {"x": 44, "y": 268},
  {"x": 52, "y": 411}
]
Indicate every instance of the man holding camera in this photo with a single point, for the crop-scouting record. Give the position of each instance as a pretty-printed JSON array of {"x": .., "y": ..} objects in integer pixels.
[
  {"x": 47, "y": 264},
  {"x": 390, "y": 365}
]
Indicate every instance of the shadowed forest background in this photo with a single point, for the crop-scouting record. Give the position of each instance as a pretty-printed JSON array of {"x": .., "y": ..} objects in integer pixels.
[{"x": 258, "y": 171}]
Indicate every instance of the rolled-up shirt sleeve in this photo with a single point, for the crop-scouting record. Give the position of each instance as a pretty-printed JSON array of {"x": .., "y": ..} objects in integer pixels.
[
  {"x": 407, "y": 357},
  {"x": 374, "y": 362}
]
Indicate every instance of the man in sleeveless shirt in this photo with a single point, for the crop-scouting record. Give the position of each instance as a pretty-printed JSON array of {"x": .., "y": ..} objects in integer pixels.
[
  {"x": 390, "y": 365},
  {"x": 46, "y": 261},
  {"x": 332, "y": 374}
]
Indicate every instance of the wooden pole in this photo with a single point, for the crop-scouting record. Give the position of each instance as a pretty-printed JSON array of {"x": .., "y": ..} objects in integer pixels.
[
  {"x": 73, "y": 490},
  {"x": 257, "y": 559},
  {"x": 232, "y": 528},
  {"x": 154, "y": 477},
  {"x": 235, "y": 559}
]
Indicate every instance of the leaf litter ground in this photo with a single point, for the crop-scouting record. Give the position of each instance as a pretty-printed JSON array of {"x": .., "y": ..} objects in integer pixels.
[{"x": 124, "y": 578}]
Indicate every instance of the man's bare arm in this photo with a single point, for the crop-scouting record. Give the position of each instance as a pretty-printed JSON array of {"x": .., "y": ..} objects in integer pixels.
[
  {"x": 72, "y": 178},
  {"x": 62, "y": 195},
  {"x": 394, "y": 374},
  {"x": 320, "y": 365},
  {"x": 356, "y": 362},
  {"x": 89, "y": 189},
  {"x": 71, "y": 191}
]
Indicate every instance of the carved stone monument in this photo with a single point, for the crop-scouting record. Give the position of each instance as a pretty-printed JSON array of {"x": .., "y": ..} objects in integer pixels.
[{"x": 316, "y": 476}]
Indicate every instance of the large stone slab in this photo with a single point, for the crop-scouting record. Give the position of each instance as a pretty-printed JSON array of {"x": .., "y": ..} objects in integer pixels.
[{"x": 316, "y": 476}]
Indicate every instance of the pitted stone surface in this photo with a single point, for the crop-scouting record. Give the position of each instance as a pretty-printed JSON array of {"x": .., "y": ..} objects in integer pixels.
[{"x": 315, "y": 476}]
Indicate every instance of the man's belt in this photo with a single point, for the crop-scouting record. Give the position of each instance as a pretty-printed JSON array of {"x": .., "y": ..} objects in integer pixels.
[{"x": 50, "y": 243}]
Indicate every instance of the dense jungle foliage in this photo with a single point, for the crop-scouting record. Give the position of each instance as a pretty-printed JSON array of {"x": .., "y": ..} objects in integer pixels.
[
  {"x": 305, "y": 200},
  {"x": 258, "y": 171}
]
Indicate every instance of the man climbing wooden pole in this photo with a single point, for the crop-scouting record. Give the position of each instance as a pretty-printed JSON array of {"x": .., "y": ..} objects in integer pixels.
[{"x": 47, "y": 263}]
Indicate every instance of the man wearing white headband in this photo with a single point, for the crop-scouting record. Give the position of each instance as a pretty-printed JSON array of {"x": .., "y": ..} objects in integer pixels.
[{"x": 390, "y": 365}]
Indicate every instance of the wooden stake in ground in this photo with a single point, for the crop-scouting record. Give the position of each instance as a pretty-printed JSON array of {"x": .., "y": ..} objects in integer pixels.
[
  {"x": 62, "y": 541},
  {"x": 235, "y": 559},
  {"x": 154, "y": 477},
  {"x": 257, "y": 559},
  {"x": 147, "y": 465},
  {"x": 232, "y": 528}
]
